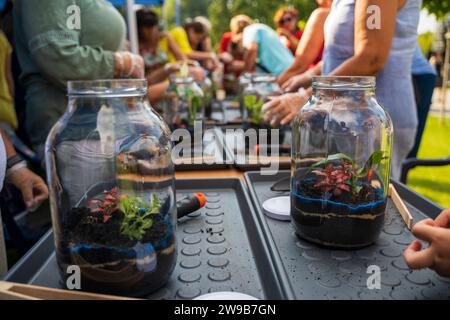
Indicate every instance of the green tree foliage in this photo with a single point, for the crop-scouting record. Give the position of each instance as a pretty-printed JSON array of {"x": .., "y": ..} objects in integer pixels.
[
  {"x": 439, "y": 7},
  {"x": 188, "y": 9},
  {"x": 221, "y": 11}
]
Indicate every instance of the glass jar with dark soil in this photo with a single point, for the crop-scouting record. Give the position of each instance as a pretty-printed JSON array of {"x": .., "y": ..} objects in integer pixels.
[
  {"x": 112, "y": 194},
  {"x": 342, "y": 142}
]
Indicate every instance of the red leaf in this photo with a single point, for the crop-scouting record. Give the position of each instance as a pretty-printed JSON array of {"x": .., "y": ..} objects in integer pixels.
[
  {"x": 344, "y": 187},
  {"x": 92, "y": 202},
  {"x": 108, "y": 202},
  {"x": 110, "y": 197},
  {"x": 106, "y": 218},
  {"x": 97, "y": 210}
]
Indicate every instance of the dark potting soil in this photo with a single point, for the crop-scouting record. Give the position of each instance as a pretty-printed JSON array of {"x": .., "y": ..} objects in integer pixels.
[
  {"x": 337, "y": 220},
  {"x": 107, "y": 258}
]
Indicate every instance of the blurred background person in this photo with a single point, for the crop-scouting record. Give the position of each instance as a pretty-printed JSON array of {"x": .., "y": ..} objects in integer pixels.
[
  {"x": 161, "y": 54},
  {"x": 424, "y": 78},
  {"x": 52, "y": 50},
  {"x": 189, "y": 38},
  {"x": 354, "y": 49},
  {"x": 286, "y": 23},
  {"x": 231, "y": 50},
  {"x": 156, "y": 46},
  {"x": 264, "y": 51},
  {"x": 206, "y": 44},
  {"x": 310, "y": 49}
]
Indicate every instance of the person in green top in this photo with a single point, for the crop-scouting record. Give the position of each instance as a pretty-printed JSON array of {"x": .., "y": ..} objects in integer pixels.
[{"x": 58, "y": 41}]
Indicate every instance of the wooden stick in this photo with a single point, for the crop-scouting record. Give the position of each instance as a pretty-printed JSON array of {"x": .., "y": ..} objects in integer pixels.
[
  {"x": 19, "y": 291},
  {"x": 401, "y": 207}
]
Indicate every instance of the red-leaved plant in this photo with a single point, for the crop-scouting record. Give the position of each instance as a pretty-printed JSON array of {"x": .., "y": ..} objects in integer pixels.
[
  {"x": 102, "y": 208},
  {"x": 344, "y": 175}
]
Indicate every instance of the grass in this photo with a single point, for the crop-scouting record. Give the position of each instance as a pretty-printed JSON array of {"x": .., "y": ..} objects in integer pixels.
[{"x": 433, "y": 182}]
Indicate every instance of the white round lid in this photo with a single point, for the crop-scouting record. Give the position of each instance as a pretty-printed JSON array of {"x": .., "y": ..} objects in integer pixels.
[
  {"x": 225, "y": 295},
  {"x": 278, "y": 208}
]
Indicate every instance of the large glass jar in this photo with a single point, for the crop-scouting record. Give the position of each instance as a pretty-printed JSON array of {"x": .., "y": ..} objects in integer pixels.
[
  {"x": 341, "y": 155},
  {"x": 255, "y": 94},
  {"x": 183, "y": 103},
  {"x": 112, "y": 194}
]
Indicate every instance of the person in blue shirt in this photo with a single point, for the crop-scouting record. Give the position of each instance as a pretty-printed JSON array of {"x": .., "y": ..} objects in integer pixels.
[
  {"x": 424, "y": 80},
  {"x": 264, "y": 50}
]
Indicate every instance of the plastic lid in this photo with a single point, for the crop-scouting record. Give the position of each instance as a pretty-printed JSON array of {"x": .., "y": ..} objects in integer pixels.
[
  {"x": 278, "y": 208},
  {"x": 225, "y": 295}
]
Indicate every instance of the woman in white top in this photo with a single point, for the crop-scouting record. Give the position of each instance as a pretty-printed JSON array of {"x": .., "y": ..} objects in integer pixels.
[{"x": 370, "y": 38}]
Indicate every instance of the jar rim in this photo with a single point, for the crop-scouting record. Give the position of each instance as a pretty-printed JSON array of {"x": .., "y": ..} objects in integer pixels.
[
  {"x": 344, "y": 82},
  {"x": 176, "y": 79},
  {"x": 263, "y": 78},
  {"x": 107, "y": 87}
]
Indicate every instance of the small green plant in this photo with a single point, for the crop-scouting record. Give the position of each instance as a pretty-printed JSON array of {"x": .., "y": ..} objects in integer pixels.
[
  {"x": 137, "y": 216},
  {"x": 194, "y": 105},
  {"x": 254, "y": 107},
  {"x": 346, "y": 174}
]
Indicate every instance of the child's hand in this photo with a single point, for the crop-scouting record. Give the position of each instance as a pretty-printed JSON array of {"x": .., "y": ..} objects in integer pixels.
[{"x": 437, "y": 255}]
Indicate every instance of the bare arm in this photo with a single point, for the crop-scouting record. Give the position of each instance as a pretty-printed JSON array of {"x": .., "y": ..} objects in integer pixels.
[
  {"x": 207, "y": 45},
  {"x": 174, "y": 48},
  {"x": 309, "y": 46},
  {"x": 10, "y": 151},
  {"x": 372, "y": 46},
  {"x": 200, "y": 55},
  {"x": 250, "y": 57}
]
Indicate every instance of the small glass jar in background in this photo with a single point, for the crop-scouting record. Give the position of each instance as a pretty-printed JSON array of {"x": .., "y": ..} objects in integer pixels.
[
  {"x": 255, "y": 94},
  {"x": 182, "y": 103}
]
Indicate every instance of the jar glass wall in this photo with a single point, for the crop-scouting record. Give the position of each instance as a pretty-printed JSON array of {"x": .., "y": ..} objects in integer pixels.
[
  {"x": 112, "y": 194},
  {"x": 183, "y": 103}
]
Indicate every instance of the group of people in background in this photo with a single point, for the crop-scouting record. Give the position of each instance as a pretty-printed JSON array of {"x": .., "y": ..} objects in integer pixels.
[{"x": 335, "y": 41}]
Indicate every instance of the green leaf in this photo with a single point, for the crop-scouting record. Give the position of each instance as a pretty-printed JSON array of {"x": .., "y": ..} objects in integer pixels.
[
  {"x": 373, "y": 160},
  {"x": 333, "y": 157},
  {"x": 250, "y": 101}
]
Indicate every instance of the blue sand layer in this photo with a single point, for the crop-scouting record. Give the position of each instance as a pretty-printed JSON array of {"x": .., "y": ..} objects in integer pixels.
[{"x": 352, "y": 208}]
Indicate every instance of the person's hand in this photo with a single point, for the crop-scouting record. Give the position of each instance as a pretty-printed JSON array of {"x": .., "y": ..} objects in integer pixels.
[
  {"x": 294, "y": 83},
  {"x": 437, "y": 255},
  {"x": 172, "y": 67},
  {"x": 197, "y": 73},
  {"x": 283, "y": 109},
  {"x": 129, "y": 65},
  {"x": 226, "y": 57},
  {"x": 33, "y": 188},
  {"x": 283, "y": 32}
]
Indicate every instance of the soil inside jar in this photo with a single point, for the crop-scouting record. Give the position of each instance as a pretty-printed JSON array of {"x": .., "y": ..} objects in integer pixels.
[
  {"x": 340, "y": 220},
  {"x": 113, "y": 263}
]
